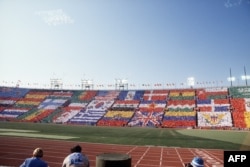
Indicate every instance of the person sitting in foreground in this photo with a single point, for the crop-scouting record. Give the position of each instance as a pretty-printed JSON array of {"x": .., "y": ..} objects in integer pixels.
[
  {"x": 196, "y": 162},
  {"x": 35, "y": 160},
  {"x": 76, "y": 158}
]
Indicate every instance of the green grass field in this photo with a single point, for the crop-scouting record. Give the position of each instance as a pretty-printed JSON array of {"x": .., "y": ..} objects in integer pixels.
[{"x": 212, "y": 139}]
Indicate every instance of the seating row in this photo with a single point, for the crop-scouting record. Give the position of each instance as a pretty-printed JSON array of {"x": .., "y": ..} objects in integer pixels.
[{"x": 187, "y": 107}]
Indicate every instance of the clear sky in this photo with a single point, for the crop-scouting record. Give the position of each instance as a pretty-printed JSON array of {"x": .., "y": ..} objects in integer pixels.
[{"x": 142, "y": 41}]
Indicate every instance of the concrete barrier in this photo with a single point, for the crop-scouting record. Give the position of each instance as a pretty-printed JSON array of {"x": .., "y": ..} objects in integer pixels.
[{"x": 113, "y": 160}]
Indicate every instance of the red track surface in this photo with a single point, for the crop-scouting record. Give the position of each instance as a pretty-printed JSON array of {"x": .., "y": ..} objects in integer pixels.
[{"x": 13, "y": 151}]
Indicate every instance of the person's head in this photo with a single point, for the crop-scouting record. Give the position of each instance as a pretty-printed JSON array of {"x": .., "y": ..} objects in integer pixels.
[
  {"x": 197, "y": 162},
  {"x": 38, "y": 152},
  {"x": 76, "y": 148}
]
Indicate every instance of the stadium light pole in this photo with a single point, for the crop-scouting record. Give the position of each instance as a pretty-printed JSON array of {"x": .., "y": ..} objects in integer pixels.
[
  {"x": 117, "y": 82},
  {"x": 231, "y": 79},
  {"x": 245, "y": 76},
  {"x": 87, "y": 84},
  {"x": 121, "y": 83},
  {"x": 56, "y": 83},
  {"x": 190, "y": 81}
]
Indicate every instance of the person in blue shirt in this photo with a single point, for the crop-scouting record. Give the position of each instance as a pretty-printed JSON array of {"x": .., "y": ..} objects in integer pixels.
[
  {"x": 196, "y": 162},
  {"x": 35, "y": 160},
  {"x": 76, "y": 158}
]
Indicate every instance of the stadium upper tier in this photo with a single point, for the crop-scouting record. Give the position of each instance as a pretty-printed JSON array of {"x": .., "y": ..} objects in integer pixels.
[{"x": 182, "y": 108}]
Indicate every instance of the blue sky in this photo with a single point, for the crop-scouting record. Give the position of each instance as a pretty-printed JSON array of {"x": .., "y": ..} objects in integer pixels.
[{"x": 142, "y": 41}]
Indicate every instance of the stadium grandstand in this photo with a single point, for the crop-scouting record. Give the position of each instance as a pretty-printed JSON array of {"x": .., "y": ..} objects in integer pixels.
[{"x": 215, "y": 108}]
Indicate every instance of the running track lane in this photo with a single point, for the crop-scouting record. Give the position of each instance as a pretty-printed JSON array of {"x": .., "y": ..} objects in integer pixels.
[{"x": 13, "y": 151}]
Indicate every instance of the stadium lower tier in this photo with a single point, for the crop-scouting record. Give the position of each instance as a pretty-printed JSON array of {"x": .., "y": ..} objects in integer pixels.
[{"x": 203, "y": 108}]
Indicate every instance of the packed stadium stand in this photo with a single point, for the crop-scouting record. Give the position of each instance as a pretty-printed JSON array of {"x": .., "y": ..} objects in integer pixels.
[{"x": 217, "y": 108}]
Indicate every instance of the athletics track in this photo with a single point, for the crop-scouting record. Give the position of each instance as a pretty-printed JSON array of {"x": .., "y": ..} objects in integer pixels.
[{"x": 13, "y": 151}]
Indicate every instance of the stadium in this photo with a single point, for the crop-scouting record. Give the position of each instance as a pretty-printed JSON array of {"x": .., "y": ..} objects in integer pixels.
[
  {"x": 159, "y": 81},
  {"x": 157, "y": 127}
]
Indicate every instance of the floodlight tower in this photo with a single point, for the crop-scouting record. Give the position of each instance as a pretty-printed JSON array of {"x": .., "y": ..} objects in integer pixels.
[
  {"x": 231, "y": 79},
  {"x": 190, "y": 81},
  {"x": 56, "y": 83},
  {"x": 121, "y": 84},
  {"x": 87, "y": 84},
  {"x": 245, "y": 76}
]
